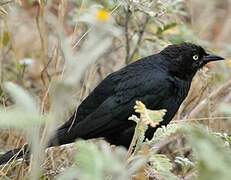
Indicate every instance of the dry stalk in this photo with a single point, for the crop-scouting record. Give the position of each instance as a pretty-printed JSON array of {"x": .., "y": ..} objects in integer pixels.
[{"x": 216, "y": 96}]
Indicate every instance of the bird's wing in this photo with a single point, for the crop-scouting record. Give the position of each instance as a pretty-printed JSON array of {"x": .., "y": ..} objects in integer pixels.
[
  {"x": 104, "y": 90},
  {"x": 108, "y": 88},
  {"x": 147, "y": 86},
  {"x": 111, "y": 115}
]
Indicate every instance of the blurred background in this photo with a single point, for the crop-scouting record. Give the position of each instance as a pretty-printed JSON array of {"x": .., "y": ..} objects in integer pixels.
[{"x": 58, "y": 51}]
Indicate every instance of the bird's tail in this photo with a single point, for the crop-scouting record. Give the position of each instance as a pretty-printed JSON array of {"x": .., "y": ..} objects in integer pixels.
[
  {"x": 58, "y": 139},
  {"x": 61, "y": 137},
  {"x": 15, "y": 154},
  {"x": 24, "y": 152}
]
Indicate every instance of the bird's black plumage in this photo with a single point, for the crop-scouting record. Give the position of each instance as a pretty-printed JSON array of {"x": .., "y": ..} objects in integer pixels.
[{"x": 160, "y": 81}]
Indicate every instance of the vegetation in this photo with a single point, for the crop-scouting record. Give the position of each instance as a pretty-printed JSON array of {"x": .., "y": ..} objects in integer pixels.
[{"x": 53, "y": 53}]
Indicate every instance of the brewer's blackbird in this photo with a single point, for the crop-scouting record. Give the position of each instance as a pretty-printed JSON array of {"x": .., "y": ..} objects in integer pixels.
[{"x": 160, "y": 81}]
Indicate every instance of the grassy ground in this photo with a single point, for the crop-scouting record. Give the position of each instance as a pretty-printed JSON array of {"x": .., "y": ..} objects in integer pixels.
[{"x": 60, "y": 50}]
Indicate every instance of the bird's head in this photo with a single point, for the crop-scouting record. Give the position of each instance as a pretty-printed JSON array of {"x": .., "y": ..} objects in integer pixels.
[{"x": 186, "y": 58}]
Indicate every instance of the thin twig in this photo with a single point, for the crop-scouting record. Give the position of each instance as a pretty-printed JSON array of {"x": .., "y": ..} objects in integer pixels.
[
  {"x": 200, "y": 119},
  {"x": 194, "y": 100},
  {"x": 141, "y": 33},
  {"x": 215, "y": 96},
  {"x": 45, "y": 72},
  {"x": 126, "y": 33},
  {"x": 133, "y": 143},
  {"x": 43, "y": 38},
  {"x": 80, "y": 39}
]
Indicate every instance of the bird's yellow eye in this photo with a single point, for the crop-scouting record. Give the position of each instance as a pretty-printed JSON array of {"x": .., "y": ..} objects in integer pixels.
[{"x": 196, "y": 57}]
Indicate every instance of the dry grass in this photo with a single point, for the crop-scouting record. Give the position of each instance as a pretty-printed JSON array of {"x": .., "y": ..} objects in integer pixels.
[{"x": 30, "y": 35}]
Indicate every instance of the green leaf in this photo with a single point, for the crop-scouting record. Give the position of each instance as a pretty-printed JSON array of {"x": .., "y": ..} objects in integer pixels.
[
  {"x": 90, "y": 160},
  {"x": 164, "y": 132},
  {"x": 185, "y": 164},
  {"x": 162, "y": 165},
  {"x": 4, "y": 39},
  {"x": 214, "y": 158},
  {"x": 165, "y": 28},
  {"x": 160, "y": 162},
  {"x": 97, "y": 163},
  {"x": 147, "y": 116}
]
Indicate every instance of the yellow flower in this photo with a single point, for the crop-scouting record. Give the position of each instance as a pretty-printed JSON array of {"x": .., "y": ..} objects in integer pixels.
[
  {"x": 228, "y": 62},
  {"x": 102, "y": 15}
]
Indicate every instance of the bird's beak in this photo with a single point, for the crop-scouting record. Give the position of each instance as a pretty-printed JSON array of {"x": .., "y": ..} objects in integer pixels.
[{"x": 212, "y": 57}]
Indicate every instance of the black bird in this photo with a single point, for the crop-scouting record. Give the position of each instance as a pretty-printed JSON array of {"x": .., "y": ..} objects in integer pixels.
[{"x": 160, "y": 81}]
